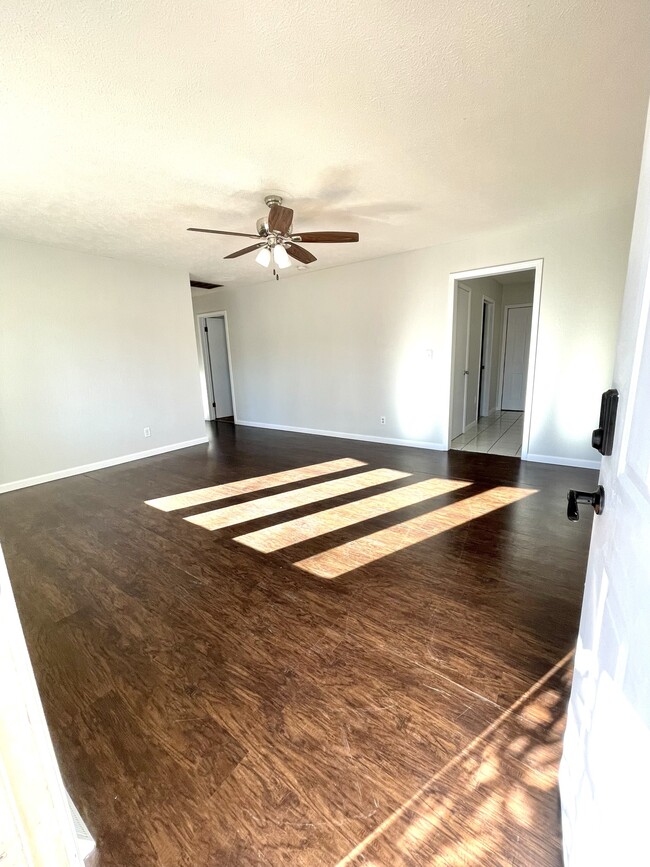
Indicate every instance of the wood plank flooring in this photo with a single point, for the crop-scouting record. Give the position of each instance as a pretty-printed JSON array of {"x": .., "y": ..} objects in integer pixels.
[{"x": 376, "y": 677}]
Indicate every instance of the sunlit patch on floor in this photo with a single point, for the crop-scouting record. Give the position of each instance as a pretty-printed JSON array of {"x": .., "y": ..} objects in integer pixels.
[
  {"x": 226, "y": 517},
  {"x": 488, "y": 799},
  {"x": 300, "y": 529},
  {"x": 247, "y": 486},
  {"x": 359, "y": 552}
]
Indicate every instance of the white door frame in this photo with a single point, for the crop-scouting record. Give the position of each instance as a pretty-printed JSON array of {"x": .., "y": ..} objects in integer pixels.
[
  {"x": 502, "y": 357},
  {"x": 494, "y": 271},
  {"x": 206, "y": 376},
  {"x": 458, "y": 286},
  {"x": 487, "y": 379}
]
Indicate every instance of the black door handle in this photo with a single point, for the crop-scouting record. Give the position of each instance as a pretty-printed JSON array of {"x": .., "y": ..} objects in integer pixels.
[
  {"x": 602, "y": 439},
  {"x": 595, "y": 499}
]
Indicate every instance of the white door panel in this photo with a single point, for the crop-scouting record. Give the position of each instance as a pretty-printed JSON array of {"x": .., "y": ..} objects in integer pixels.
[
  {"x": 605, "y": 769},
  {"x": 515, "y": 363},
  {"x": 36, "y": 826},
  {"x": 218, "y": 359}
]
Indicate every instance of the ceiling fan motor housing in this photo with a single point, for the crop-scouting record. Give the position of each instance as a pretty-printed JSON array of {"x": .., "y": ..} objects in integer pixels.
[{"x": 263, "y": 222}]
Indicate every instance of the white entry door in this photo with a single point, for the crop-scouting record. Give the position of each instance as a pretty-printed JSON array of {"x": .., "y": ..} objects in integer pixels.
[
  {"x": 36, "y": 825},
  {"x": 605, "y": 769},
  {"x": 461, "y": 359},
  {"x": 515, "y": 360}
]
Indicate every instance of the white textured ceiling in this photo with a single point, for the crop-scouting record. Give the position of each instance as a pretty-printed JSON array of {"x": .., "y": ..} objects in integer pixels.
[{"x": 414, "y": 122}]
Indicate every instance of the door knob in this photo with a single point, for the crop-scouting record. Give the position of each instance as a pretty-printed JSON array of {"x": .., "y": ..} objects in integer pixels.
[{"x": 595, "y": 499}]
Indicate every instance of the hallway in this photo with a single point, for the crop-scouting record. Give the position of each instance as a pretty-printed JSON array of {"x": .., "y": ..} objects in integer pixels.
[{"x": 499, "y": 433}]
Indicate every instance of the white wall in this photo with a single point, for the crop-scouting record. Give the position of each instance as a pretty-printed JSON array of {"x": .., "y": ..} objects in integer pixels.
[
  {"x": 335, "y": 349},
  {"x": 518, "y": 293},
  {"x": 92, "y": 350}
]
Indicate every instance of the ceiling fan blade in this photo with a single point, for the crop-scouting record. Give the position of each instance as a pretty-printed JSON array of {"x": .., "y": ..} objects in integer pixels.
[
  {"x": 219, "y": 232},
  {"x": 300, "y": 254},
  {"x": 280, "y": 219},
  {"x": 326, "y": 237},
  {"x": 244, "y": 251}
]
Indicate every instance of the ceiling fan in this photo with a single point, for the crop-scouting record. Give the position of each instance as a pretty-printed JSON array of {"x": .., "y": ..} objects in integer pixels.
[{"x": 276, "y": 241}]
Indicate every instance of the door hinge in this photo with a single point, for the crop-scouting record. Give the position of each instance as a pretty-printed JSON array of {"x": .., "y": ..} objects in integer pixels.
[
  {"x": 205, "y": 328},
  {"x": 214, "y": 404}
]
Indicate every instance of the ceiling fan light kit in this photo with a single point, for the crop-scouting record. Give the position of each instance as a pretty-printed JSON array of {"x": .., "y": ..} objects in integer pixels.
[
  {"x": 281, "y": 257},
  {"x": 263, "y": 258},
  {"x": 276, "y": 241}
]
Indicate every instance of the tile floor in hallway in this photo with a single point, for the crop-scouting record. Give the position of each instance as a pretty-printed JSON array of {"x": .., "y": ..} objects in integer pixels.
[{"x": 499, "y": 433}]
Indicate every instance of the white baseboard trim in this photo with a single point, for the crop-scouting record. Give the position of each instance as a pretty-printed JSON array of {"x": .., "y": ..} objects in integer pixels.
[
  {"x": 85, "y": 842},
  {"x": 563, "y": 462},
  {"x": 470, "y": 426},
  {"x": 98, "y": 465},
  {"x": 365, "y": 438}
]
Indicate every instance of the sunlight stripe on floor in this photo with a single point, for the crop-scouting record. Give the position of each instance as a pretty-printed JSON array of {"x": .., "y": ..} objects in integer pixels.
[
  {"x": 218, "y": 518},
  {"x": 344, "y": 558},
  {"x": 300, "y": 529},
  {"x": 247, "y": 486}
]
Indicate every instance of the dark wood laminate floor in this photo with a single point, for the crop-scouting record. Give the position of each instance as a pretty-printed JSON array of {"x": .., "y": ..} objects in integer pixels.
[{"x": 212, "y": 703}]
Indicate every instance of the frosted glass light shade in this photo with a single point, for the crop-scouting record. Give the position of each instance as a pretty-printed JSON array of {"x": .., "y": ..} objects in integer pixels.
[
  {"x": 264, "y": 257},
  {"x": 281, "y": 257}
]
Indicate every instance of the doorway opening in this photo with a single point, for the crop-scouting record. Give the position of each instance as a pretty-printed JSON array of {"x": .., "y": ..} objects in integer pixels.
[
  {"x": 217, "y": 368},
  {"x": 494, "y": 335}
]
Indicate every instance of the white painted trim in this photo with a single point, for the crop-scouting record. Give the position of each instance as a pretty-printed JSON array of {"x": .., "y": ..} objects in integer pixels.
[
  {"x": 202, "y": 343},
  {"x": 98, "y": 465},
  {"x": 458, "y": 287},
  {"x": 364, "y": 438},
  {"x": 563, "y": 462},
  {"x": 494, "y": 270}
]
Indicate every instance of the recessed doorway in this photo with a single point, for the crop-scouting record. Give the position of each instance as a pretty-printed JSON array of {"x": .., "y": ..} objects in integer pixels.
[
  {"x": 495, "y": 311},
  {"x": 217, "y": 368}
]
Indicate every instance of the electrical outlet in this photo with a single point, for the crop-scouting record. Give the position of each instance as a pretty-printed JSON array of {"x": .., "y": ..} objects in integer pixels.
[
  {"x": 147, "y": 431},
  {"x": 382, "y": 419}
]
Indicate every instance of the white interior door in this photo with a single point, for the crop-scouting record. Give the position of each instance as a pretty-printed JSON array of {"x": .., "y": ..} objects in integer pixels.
[
  {"x": 515, "y": 361},
  {"x": 219, "y": 369},
  {"x": 605, "y": 769},
  {"x": 461, "y": 358}
]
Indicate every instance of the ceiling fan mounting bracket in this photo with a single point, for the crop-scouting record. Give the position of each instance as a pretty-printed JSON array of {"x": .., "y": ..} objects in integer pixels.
[{"x": 273, "y": 199}]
